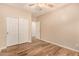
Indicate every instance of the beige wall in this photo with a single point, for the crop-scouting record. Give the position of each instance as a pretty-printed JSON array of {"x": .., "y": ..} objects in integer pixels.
[
  {"x": 2, "y": 33},
  {"x": 61, "y": 26},
  {"x": 7, "y": 11}
]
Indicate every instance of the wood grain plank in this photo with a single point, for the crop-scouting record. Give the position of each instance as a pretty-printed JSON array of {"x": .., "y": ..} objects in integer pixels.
[{"x": 37, "y": 48}]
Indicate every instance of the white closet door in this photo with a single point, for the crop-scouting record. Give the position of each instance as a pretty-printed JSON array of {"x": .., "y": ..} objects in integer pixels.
[
  {"x": 23, "y": 30},
  {"x": 12, "y": 31}
]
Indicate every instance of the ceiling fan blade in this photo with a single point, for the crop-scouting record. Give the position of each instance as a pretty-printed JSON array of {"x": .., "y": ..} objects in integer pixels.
[{"x": 50, "y": 5}]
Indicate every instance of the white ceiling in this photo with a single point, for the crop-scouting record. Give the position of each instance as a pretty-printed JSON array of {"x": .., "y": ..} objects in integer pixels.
[{"x": 35, "y": 11}]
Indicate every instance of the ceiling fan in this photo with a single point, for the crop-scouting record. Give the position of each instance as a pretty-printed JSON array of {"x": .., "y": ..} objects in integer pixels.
[{"x": 40, "y": 6}]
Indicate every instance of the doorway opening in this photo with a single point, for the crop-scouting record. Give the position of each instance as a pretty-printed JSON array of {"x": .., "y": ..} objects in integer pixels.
[{"x": 36, "y": 29}]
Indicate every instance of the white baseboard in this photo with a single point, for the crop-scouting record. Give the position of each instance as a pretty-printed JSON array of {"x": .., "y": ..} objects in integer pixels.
[{"x": 61, "y": 45}]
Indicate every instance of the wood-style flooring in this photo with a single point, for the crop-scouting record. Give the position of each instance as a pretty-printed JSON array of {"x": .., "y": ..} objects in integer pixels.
[{"x": 37, "y": 48}]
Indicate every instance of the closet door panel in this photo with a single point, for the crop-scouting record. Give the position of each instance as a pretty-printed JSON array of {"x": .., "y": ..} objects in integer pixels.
[
  {"x": 23, "y": 30},
  {"x": 12, "y": 31}
]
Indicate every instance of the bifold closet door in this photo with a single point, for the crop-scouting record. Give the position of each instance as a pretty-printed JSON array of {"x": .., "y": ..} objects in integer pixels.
[
  {"x": 23, "y": 30},
  {"x": 17, "y": 30},
  {"x": 12, "y": 31}
]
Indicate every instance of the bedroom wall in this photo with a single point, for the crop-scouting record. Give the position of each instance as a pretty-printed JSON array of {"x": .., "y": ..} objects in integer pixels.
[{"x": 61, "y": 26}]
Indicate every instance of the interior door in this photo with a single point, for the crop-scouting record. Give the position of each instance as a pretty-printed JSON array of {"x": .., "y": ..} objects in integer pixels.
[
  {"x": 23, "y": 30},
  {"x": 38, "y": 29},
  {"x": 33, "y": 28},
  {"x": 12, "y": 31}
]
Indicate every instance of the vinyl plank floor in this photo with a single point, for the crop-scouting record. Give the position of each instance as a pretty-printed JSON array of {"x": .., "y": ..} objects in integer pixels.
[{"x": 37, "y": 48}]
